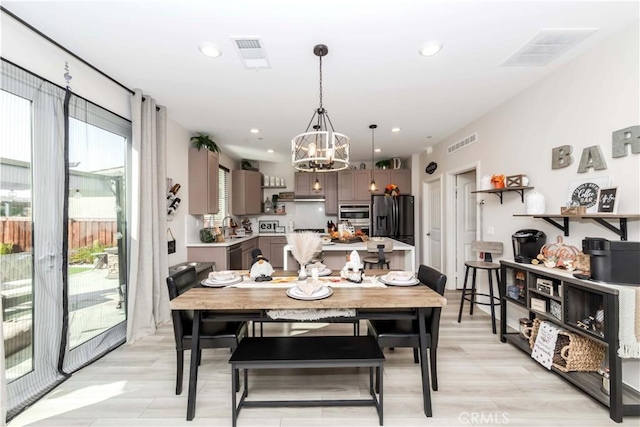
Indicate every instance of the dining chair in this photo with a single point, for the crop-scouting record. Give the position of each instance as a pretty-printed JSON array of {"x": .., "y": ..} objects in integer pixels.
[
  {"x": 215, "y": 334},
  {"x": 380, "y": 248},
  {"x": 405, "y": 333}
]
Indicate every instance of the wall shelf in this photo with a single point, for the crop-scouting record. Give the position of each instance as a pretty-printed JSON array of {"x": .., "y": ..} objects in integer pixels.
[
  {"x": 498, "y": 191},
  {"x": 600, "y": 218},
  {"x": 274, "y": 186}
]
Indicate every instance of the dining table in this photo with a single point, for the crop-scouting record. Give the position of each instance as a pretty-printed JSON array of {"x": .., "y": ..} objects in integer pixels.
[{"x": 252, "y": 301}]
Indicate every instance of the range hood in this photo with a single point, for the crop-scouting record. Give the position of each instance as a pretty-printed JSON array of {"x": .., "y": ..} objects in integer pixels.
[{"x": 312, "y": 198}]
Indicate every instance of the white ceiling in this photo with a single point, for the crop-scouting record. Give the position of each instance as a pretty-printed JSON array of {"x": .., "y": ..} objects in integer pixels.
[{"x": 372, "y": 74}]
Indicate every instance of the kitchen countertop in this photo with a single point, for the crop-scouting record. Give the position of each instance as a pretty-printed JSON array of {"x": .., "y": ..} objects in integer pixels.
[{"x": 236, "y": 240}]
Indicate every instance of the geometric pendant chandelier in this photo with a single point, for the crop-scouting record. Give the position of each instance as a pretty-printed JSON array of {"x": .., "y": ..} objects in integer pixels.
[{"x": 320, "y": 149}]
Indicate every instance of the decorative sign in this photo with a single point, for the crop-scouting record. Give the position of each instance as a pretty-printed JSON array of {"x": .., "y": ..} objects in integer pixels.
[
  {"x": 585, "y": 192},
  {"x": 431, "y": 168},
  {"x": 268, "y": 226},
  {"x": 545, "y": 344},
  {"x": 607, "y": 200}
]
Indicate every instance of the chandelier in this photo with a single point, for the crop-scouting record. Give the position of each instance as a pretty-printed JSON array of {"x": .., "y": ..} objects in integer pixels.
[{"x": 322, "y": 149}]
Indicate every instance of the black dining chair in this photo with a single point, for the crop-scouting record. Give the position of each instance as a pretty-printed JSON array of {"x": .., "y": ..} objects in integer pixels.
[
  {"x": 405, "y": 333},
  {"x": 215, "y": 334}
]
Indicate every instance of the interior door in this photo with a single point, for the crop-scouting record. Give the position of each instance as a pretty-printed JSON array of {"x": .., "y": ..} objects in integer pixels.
[
  {"x": 433, "y": 239},
  {"x": 466, "y": 228}
]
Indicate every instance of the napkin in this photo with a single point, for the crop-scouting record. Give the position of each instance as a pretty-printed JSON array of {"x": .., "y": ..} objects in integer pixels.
[
  {"x": 308, "y": 287},
  {"x": 403, "y": 276},
  {"x": 222, "y": 275}
]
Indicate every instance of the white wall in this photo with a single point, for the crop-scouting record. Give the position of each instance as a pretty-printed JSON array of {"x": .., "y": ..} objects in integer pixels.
[{"x": 581, "y": 104}]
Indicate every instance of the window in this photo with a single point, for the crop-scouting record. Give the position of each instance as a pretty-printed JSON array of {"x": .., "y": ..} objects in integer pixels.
[{"x": 223, "y": 195}]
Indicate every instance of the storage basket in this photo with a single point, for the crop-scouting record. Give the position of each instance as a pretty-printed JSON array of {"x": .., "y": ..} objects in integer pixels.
[
  {"x": 573, "y": 352},
  {"x": 577, "y": 353}
]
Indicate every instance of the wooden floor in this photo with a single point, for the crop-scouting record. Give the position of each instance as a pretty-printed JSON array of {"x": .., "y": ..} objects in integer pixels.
[{"x": 482, "y": 382}]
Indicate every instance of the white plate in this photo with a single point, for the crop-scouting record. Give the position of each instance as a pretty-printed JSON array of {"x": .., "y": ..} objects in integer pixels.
[
  {"x": 219, "y": 283},
  {"x": 321, "y": 273},
  {"x": 296, "y": 293},
  {"x": 411, "y": 282}
]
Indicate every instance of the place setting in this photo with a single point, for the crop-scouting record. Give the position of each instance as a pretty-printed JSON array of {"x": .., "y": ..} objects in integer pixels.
[
  {"x": 219, "y": 279},
  {"x": 309, "y": 290},
  {"x": 399, "y": 278},
  {"x": 322, "y": 269}
]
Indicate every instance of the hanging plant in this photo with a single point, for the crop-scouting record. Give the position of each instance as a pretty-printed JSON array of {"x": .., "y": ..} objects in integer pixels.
[{"x": 202, "y": 140}]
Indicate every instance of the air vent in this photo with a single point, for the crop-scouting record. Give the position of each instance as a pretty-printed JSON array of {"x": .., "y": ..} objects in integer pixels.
[
  {"x": 546, "y": 46},
  {"x": 462, "y": 143},
  {"x": 251, "y": 52}
]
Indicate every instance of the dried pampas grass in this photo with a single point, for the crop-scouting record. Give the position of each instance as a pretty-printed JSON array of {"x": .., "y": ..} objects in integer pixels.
[{"x": 304, "y": 246}]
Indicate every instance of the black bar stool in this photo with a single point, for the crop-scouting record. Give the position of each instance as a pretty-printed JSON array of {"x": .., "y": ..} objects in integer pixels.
[{"x": 470, "y": 295}]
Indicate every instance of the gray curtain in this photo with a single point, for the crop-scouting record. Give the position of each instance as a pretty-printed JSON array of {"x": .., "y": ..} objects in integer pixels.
[{"x": 148, "y": 299}]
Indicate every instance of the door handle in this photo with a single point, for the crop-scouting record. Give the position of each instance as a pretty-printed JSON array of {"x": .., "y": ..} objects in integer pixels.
[{"x": 428, "y": 234}]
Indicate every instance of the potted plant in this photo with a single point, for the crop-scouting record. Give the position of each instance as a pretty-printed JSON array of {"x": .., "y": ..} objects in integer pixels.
[
  {"x": 383, "y": 164},
  {"x": 202, "y": 140}
]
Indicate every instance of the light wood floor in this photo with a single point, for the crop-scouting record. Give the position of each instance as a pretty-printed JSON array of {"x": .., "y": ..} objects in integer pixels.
[{"x": 482, "y": 382}]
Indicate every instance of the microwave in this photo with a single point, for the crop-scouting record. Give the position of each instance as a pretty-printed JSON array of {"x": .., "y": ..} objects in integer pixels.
[{"x": 357, "y": 215}]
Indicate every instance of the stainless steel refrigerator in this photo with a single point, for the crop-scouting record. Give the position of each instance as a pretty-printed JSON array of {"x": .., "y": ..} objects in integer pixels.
[{"x": 393, "y": 217}]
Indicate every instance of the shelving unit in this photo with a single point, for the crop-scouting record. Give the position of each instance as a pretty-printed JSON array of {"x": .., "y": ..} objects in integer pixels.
[
  {"x": 600, "y": 218},
  {"x": 578, "y": 299},
  {"x": 498, "y": 191}
]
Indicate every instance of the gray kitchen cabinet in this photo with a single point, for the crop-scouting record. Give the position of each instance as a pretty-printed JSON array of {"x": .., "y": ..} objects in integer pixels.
[
  {"x": 353, "y": 186},
  {"x": 277, "y": 252},
  {"x": 246, "y": 192},
  {"x": 203, "y": 182},
  {"x": 264, "y": 244},
  {"x": 210, "y": 254},
  {"x": 247, "y": 248},
  {"x": 399, "y": 177},
  {"x": 303, "y": 183},
  {"x": 331, "y": 193}
]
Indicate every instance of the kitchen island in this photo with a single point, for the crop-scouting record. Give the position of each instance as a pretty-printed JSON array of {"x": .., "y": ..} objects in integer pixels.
[{"x": 335, "y": 254}]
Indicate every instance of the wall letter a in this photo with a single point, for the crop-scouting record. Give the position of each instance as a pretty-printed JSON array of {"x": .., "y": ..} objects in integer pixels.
[{"x": 592, "y": 158}]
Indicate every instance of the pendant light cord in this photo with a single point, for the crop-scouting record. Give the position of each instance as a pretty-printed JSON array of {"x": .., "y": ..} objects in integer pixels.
[{"x": 320, "y": 82}]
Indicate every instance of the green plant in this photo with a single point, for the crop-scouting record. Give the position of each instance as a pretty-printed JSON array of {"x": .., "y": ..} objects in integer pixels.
[
  {"x": 85, "y": 254},
  {"x": 6, "y": 248},
  {"x": 202, "y": 140},
  {"x": 383, "y": 164}
]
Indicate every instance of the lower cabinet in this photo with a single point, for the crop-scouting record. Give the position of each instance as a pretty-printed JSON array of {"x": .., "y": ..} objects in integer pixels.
[
  {"x": 247, "y": 248},
  {"x": 585, "y": 309},
  {"x": 272, "y": 249}
]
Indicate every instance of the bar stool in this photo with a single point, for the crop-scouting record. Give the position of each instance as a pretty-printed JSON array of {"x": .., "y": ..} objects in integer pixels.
[
  {"x": 379, "y": 247},
  {"x": 470, "y": 295}
]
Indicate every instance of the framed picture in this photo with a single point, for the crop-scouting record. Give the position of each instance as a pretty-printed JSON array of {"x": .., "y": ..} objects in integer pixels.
[
  {"x": 281, "y": 229},
  {"x": 608, "y": 200},
  {"x": 586, "y": 191}
]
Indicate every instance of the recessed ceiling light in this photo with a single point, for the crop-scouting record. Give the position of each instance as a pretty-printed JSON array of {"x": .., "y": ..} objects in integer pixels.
[
  {"x": 209, "y": 50},
  {"x": 395, "y": 129},
  {"x": 430, "y": 49},
  {"x": 254, "y": 130},
  {"x": 377, "y": 150},
  {"x": 270, "y": 151}
]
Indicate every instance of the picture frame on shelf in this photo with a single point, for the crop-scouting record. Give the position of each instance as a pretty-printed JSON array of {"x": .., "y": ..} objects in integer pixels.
[
  {"x": 608, "y": 200},
  {"x": 585, "y": 191}
]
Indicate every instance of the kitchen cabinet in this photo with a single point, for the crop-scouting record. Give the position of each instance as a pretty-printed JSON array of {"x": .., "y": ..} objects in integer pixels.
[
  {"x": 353, "y": 186},
  {"x": 203, "y": 182},
  {"x": 247, "y": 248},
  {"x": 246, "y": 192},
  {"x": 399, "y": 177},
  {"x": 217, "y": 255},
  {"x": 277, "y": 252},
  {"x": 303, "y": 183},
  {"x": 331, "y": 193}
]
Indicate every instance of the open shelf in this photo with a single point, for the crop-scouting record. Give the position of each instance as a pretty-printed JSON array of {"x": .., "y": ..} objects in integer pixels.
[
  {"x": 520, "y": 301},
  {"x": 542, "y": 294},
  {"x": 600, "y": 218},
  {"x": 274, "y": 186},
  {"x": 498, "y": 191}
]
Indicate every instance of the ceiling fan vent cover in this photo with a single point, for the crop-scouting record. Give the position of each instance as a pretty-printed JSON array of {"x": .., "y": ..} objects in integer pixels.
[
  {"x": 546, "y": 46},
  {"x": 462, "y": 143},
  {"x": 251, "y": 52}
]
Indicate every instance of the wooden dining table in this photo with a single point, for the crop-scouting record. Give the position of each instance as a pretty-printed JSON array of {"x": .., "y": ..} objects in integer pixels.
[{"x": 251, "y": 304}]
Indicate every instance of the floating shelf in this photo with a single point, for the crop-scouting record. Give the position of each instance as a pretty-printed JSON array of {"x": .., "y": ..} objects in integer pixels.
[
  {"x": 498, "y": 191},
  {"x": 274, "y": 186},
  {"x": 600, "y": 218}
]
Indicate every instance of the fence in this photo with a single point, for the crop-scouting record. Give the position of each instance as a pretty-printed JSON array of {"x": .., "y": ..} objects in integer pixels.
[{"x": 82, "y": 233}]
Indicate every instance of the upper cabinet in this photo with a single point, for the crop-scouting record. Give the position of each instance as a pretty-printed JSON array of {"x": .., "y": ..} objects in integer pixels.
[
  {"x": 353, "y": 185},
  {"x": 246, "y": 192},
  {"x": 203, "y": 182},
  {"x": 303, "y": 183},
  {"x": 399, "y": 177}
]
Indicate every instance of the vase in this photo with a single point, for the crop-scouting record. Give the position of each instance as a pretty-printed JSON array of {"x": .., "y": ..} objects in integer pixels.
[{"x": 302, "y": 274}]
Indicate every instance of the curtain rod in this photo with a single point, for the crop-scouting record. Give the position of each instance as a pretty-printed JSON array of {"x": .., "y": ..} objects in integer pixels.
[{"x": 58, "y": 45}]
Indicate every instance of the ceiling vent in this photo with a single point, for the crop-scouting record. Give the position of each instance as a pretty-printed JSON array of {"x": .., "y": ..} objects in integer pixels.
[
  {"x": 462, "y": 143},
  {"x": 546, "y": 46},
  {"x": 251, "y": 52}
]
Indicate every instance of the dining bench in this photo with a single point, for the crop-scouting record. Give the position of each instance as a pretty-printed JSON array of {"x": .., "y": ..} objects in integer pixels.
[{"x": 306, "y": 352}]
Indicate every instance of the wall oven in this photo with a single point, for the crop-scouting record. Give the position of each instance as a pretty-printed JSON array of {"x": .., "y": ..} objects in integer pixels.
[{"x": 358, "y": 215}]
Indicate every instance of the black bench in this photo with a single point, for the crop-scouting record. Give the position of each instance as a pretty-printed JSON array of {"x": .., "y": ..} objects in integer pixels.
[{"x": 306, "y": 352}]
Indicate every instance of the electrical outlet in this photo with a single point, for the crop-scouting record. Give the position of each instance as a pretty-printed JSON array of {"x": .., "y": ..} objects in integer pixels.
[{"x": 490, "y": 231}]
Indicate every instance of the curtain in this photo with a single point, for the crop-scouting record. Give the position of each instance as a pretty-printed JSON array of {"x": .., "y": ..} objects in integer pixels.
[
  {"x": 148, "y": 299},
  {"x": 3, "y": 381}
]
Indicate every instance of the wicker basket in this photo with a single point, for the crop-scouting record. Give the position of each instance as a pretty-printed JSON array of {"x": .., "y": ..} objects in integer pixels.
[{"x": 573, "y": 352}]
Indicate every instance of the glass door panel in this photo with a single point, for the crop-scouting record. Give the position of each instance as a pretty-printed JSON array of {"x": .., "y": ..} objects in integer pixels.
[{"x": 16, "y": 226}]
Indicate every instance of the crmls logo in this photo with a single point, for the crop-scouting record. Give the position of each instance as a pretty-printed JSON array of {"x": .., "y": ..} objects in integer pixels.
[{"x": 483, "y": 418}]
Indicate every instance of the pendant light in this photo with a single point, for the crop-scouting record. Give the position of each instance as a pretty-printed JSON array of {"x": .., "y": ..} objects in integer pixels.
[
  {"x": 372, "y": 187},
  {"x": 323, "y": 149},
  {"x": 316, "y": 185}
]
